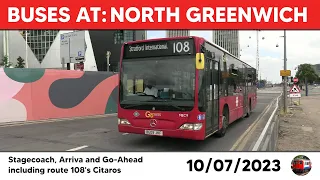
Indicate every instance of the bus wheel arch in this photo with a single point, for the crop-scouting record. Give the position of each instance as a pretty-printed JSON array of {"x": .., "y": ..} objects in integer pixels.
[{"x": 225, "y": 121}]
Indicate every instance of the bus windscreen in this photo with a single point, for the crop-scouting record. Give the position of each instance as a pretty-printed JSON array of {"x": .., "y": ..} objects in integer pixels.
[
  {"x": 167, "y": 67},
  {"x": 172, "y": 79}
]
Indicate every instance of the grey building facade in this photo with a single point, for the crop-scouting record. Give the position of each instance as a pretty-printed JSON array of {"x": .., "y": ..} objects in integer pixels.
[
  {"x": 103, "y": 41},
  {"x": 177, "y": 33},
  {"x": 228, "y": 39}
]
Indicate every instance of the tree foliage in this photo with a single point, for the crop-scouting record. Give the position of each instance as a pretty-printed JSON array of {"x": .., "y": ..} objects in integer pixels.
[
  {"x": 301, "y": 157},
  {"x": 306, "y": 71},
  {"x": 262, "y": 81},
  {"x": 20, "y": 63},
  {"x": 5, "y": 62}
]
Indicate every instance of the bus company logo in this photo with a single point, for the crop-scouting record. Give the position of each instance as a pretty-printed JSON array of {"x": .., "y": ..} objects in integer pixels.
[
  {"x": 301, "y": 165},
  {"x": 153, "y": 123},
  {"x": 148, "y": 114},
  {"x": 136, "y": 114}
]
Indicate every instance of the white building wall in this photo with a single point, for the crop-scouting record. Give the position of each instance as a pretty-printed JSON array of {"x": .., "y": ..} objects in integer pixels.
[
  {"x": 90, "y": 64},
  {"x": 52, "y": 58},
  {"x": 17, "y": 47},
  {"x": 1, "y": 45}
]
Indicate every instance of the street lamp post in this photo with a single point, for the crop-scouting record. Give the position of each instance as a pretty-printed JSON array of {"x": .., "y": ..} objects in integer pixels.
[
  {"x": 285, "y": 68},
  {"x": 6, "y": 44},
  {"x": 108, "y": 60},
  {"x": 257, "y": 57},
  {"x": 257, "y": 54},
  {"x": 26, "y": 60},
  {"x": 285, "y": 79}
]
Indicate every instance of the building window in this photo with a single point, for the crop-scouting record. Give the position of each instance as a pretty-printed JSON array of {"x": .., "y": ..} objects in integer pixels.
[
  {"x": 128, "y": 36},
  {"x": 39, "y": 41},
  {"x": 122, "y": 36},
  {"x": 118, "y": 37}
]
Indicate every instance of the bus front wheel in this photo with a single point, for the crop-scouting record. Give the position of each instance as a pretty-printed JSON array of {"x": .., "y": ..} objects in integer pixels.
[{"x": 225, "y": 123}]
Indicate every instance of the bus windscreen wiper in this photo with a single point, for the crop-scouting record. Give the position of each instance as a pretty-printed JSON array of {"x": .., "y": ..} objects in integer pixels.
[
  {"x": 133, "y": 105},
  {"x": 168, "y": 104}
]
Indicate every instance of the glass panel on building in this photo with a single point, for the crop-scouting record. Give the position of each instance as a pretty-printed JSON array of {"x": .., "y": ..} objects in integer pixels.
[{"x": 39, "y": 41}]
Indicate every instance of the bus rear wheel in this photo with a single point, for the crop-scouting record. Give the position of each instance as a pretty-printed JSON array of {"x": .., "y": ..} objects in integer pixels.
[
  {"x": 249, "y": 109},
  {"x": 225, "y": 124}
]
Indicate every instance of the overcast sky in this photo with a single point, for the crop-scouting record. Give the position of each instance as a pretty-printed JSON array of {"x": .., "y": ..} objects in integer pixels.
[{"x": 302, "y": 47}]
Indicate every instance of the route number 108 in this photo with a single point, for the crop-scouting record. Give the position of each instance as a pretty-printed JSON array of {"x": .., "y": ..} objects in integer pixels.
[{"x": 179, "y": 47}]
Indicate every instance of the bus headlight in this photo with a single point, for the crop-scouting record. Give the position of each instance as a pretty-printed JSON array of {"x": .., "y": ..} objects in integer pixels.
[
  {"x": 189, "y": 126},
  {"x": 123, "y": 121}
]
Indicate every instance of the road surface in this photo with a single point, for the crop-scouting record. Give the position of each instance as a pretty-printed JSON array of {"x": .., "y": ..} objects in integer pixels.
[{"x": 100, "y": 134}]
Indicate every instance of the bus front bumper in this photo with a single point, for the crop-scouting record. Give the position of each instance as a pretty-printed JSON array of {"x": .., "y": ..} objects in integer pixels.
[{"x": 183, "y": 134}]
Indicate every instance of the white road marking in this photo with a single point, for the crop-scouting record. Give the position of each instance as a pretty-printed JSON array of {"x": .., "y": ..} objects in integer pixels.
[
  {"x": 264, "y": 131},
  {"x": 125, "y": 134},
  {"x": 244, "y": 136},
  {"x": 77, "y": 148},
  {"x": 22, "y": 123}
]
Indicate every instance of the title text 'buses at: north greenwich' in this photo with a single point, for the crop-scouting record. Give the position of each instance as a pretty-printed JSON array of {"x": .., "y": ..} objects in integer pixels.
[{"x": 183, "y": 87}]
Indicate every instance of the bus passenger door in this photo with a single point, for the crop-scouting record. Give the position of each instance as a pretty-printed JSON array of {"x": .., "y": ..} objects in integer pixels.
[
  {"x": 208, "y": 96},
  {"x": 212, "y": 95},
  {"x": 215, "y": 94}
]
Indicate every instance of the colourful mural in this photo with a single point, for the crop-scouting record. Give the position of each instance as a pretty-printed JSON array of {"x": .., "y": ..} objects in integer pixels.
[{"x": 37, "y": 94}]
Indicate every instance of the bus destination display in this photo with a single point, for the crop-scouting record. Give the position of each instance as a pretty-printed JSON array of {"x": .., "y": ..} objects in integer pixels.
[{"x": 159, "y": 48}]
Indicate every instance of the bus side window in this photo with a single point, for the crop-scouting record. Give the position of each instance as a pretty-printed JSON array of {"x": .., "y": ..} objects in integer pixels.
[
  {"x": 223, "y": 78},
  {"x": 208, "y": 78},
  {"x": 254, "y": 77},
  {"x": 230, "y": 81},
  {"x": 234, "y": 78},
  {"x": 249, "y": 78}
]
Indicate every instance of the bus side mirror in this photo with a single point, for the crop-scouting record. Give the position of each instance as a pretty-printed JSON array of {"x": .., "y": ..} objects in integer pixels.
[{"x": 200, "y": 61}]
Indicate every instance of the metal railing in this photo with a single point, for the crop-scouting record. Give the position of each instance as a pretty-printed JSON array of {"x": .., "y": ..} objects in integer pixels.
[{"x": 268, "y": 138}]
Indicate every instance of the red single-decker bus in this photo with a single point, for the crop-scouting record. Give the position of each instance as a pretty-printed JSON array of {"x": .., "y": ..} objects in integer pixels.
[{"x": 182, "y": 87}]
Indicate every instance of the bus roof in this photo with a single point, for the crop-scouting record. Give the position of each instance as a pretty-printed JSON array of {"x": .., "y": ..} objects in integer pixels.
[
  {"x": 188, "y": 37},
  {"x": 160, "y": 39}
]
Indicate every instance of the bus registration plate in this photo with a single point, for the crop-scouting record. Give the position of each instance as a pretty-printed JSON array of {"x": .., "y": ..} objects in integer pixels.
[{"x": 154, "y": 133}]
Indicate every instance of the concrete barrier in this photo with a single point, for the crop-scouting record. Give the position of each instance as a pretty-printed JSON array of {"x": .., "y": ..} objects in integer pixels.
[{"x": 37, "y": 94}]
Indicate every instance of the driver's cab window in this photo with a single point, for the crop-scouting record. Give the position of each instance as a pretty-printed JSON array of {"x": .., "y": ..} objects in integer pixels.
[
  {"x": 166, "y": 78},
  {"x": 133, "y": 85},
  {"x": 140, "y": 84},
  {"x": 150, "y": 87},
  {"x": 175, "y": 87}
]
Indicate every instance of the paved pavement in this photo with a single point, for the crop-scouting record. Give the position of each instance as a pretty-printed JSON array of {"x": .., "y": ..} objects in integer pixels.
[
  {"x": 299, "y": 129},
  {"x": 100, "y": 134}
]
